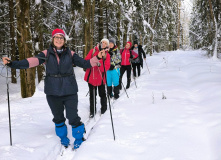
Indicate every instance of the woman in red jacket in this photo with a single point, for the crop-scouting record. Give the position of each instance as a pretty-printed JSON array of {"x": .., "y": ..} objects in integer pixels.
[
  {"x": 126, "y": 56},
  {"x": 96, "y": 77}
]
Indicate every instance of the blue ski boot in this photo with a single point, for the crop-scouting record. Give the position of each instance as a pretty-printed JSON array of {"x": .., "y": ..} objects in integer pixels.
[
  {"x": 78, "y": 133},
  {"x": 61, "y": 131}
]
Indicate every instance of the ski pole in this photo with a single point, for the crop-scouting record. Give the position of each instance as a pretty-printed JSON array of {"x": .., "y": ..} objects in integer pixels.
[
  {"x": 94, "y": 102},
  {"x": 122, "y": 84},
  {"x": 87, "y": 93},
  {"x": 147, "y": 67},
  {"x": 133, "y": 74},
  {"x": 9, "y": 114},
  {"x": 109, "y": 102}
]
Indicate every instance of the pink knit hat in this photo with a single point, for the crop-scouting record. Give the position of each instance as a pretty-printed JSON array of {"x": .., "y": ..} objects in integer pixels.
[
  {"x": 58, "y": 31},
  {"x": 129, "y": 43}
]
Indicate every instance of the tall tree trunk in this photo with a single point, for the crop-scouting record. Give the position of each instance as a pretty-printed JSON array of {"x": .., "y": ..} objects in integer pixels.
[
  {"x": 178, "y": 32},
  {"x": 131, "y": 39},
  {"x": 72, "y": 33},
  {"x": 25, "y": 47},
  {"x": 2, "y": 30},
  {"x": 215, "y": 29},
  {"x": 141, "y": 39},
  {"x": 125, "y": 32},
  {"x": 44, "y": 17},
  {"x": 39, "y": 30},
  {"x": 153, "y": 22},
  {"x": 86, "y": 26},
  {"x": 12, "y": 37},
  {"x": 118, "y": 26},
  {"x": 212, "y": 13},
  {"x": 75, "y": 7},
  {"x": 89, "y": 25},
  {"x": 100, "y": 21},
  {"x": 92, "y": 24},
  {"x": 107, "y": 27},
  {"x": 151, "y": 45}
]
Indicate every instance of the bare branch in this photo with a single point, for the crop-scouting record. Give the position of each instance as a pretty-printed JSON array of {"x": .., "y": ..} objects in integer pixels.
[
  {"x": 56, "y": 7},
  {"x": 4, "y": 14},
  {"x": 6, "y": 22}
]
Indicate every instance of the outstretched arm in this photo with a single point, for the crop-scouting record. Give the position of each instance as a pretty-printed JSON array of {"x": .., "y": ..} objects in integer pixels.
[
  {"x": 88, "y": 63},
  {"x": 144, "y": 55},
  {"x": 25, "y": 63}
]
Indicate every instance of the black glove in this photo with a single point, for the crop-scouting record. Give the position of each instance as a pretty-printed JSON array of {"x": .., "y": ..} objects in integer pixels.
[
  {"x": 9, "y": 64},
  {"x": 111, "y": 67}
]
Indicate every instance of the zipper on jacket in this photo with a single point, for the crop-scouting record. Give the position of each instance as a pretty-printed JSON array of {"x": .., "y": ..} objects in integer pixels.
[
  {"x": 59, "y": 66},
  {"x": 125, "y": 57},
  {"x": 93, "y": 73}
]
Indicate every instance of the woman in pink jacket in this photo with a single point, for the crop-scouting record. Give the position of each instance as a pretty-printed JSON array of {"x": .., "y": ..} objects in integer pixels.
[
  {"x": 96, "y": 77},
  {"x": 126, "y": 56}
]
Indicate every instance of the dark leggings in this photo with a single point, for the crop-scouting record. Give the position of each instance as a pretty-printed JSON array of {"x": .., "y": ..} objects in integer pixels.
[
  {"x": 122, "y": 71},
  {"x": 136, "y": 66},
  {"x": 102, "y": 94}
]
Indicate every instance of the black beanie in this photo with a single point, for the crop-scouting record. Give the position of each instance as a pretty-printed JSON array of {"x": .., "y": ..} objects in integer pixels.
[{"x": 135, "y": 42}]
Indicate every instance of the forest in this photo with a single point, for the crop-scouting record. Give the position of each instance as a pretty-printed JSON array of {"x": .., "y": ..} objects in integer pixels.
[{"x": 26, "y": 26}]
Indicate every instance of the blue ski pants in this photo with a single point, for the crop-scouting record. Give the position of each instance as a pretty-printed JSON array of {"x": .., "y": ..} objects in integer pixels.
[{"x": 113, "y": 77}]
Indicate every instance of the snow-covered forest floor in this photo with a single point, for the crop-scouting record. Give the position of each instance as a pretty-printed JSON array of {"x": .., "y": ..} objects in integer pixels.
[{"x": 184, "y": 126}]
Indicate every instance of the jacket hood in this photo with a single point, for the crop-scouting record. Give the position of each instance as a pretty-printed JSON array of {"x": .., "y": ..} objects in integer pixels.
[
  {"x": 129, "y": 43},
  {"x": 139, "y": 46},
  {"x": 96, "y": 48}
]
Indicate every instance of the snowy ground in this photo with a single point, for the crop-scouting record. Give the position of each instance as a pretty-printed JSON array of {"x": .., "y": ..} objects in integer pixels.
[{"x": 185, "y": 126}]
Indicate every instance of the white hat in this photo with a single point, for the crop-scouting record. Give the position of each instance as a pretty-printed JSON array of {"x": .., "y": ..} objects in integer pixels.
[{"x": 106, "y": 40}]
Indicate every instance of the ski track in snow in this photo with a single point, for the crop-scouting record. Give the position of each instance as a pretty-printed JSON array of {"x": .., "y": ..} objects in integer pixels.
[{"x": 184, "y": 126}]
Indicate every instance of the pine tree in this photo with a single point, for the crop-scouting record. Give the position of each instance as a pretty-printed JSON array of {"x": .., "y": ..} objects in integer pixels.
[
  {"x": 205, "y": 26},
  {"x": 12, "y": 37},
  {"x": 25, "y": 47},
  {"x": 100, "y": 20},
  {"x": 37, "y": 32},
  {"x": 154, "y": 24},
  {"x": 87, "y": 4}
]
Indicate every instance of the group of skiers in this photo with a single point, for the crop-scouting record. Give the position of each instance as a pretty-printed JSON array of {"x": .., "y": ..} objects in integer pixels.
[{"x": 104, "y": 64}]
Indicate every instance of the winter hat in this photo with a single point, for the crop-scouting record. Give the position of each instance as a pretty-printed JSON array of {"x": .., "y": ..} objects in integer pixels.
[
  {"x": 129, "y": 43},
  {"x": 105, "y": 40},
  {"x": 135, "y": 42},
  {"x": 58, "y": 31},
  {"x": 112, "y": 41}
]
